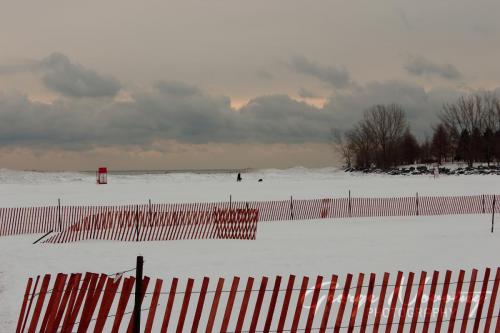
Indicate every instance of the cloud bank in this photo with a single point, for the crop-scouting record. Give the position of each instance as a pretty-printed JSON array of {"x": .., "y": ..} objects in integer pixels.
[
  {"x": 420, "y": 66},
  {"x": 184, "y": 113}
]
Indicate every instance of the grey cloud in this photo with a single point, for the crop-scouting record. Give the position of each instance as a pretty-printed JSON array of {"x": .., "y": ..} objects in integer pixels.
[
  {"x": 421, "y": 106},
  {"x": 265, "y": 75},
  {"x": 420, "y": 66},
  {"x": 19, "y": 66},
  {"x": 65, "y": 77},
  {"x": 337, "y": 77},
  {"x": 280, "y": 119},
  {"x": 187, "y": 115},
  {"x": 404, "y": 19},
  {"x": 177, "y": 88},
  {"x": 305, "y": 93},
  {"x": 73, "y": 80}
]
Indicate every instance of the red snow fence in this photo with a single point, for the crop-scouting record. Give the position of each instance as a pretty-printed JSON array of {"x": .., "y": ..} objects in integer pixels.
[
  {"x": 438, "y": 302},
  {"x": 198, "y": 221},
  {"x": 224, "y": 220}
]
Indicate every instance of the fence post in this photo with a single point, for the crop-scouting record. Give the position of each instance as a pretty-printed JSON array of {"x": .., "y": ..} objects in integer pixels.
[
  {"x": 493, "y": 214},
  {"x": 59, "y": 213},
  {"x": 136, "y": 223},
  {"x": 416, "y": 200},
  {"x": 291, "y": 207},
  {"x": 150, "y": 213},
  {"x": 350, "y": 214},
  {"x": 138, "y": 294},
  {"x": 483, "y": 205}
]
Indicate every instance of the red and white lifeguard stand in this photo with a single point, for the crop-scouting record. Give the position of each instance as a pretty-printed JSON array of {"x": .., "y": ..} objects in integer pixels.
[{"x": 101, "y": 175}]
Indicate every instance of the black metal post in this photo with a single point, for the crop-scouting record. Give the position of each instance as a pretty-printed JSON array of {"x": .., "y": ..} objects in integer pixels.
[
  {"x": 59, "y": 212},
  {"x": 416, "y": 200},
  {"x": 138, "y": 294},
  {"x": 137, "y": 223},
  {"x": 493, "y": 214},
  {"x": 291, "y": 207},
  {"x": 483, "y": 205},
  {"x": 150, "y": 213},
  {"x": 350, "y": 214}
]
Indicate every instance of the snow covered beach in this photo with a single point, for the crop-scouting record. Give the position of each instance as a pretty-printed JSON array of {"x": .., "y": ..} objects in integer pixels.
[{"x": 296, "y": 247}]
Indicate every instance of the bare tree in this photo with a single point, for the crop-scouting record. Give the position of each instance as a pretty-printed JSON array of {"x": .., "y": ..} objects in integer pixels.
[
  {"x": 471, "y": 112},
  {"x": 342, "y": 147},
  {"x": 385, "y": 125},
  {"x": 376, "y": 139},
  {"x": 361, "y": 145}
]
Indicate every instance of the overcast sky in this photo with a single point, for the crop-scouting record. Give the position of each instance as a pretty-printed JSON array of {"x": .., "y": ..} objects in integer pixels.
[{"x": 224, "y": 83}]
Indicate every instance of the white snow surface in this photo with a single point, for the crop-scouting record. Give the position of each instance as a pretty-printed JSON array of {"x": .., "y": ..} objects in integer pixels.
[{"x": 311, "y": 247}]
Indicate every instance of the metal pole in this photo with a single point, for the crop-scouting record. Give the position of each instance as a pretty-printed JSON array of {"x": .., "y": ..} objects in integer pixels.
[
  {"x": 417, "y": 204},
  {"x": 150, "y": 213},
  {"x": 291, "y": 207},
  {"x": 137, "y": 223},
  {"x": 493, "y": 214},
  {"x": 350, "y": 203},
  {"x": 59, "y": 212},
  {"x": 483, "y": 205},
  {"x": 138, "y": 294}
]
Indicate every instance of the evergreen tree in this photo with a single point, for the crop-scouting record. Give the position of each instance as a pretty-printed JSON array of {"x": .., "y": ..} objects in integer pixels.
[
  {"x": 440, "y": 145},
  {"x": 464, "y": 149},
  {"x": 410, "y": 150}
]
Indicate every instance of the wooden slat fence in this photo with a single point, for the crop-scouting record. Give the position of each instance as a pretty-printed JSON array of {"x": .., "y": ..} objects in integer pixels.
[
  {"x": 178, "y": 220},
  {"x": 197, "y": 221},
  {"x": 438, "y": 302}
]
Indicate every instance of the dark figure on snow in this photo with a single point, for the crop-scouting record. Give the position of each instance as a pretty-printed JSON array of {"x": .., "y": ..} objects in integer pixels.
[{"x": 238, "y": 178}]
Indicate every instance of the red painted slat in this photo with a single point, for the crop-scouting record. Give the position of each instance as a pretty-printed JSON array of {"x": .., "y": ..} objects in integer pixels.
[
  {"x": 107, "y": 300},
  {"x": 185, "y": 305},
  {"x": 170, "y": 304},
  {"x": 54, "y": 323},
  {"x": 354, "y": 311},
  {"x": 468, "y": 304},
  {"x": 480, "y": 304},
  {"x": 145, "y": 283},
  {"x": 89, "y": 308},
  {"x": 430, "y": 302},
  {"x": 272, "y": 304},
  {"x": 343, "y": 303},
  {"x": 25, "y": 319},
  {"x": 258, "y": 305},
  {"x": 284, "y": 309},
  {"x": 456, "y": 301},
  {"x": 215, "y": 305},
  {"x": 314, "y": 304},
  {"x": 328, "y": 304},
  {"x": 229, "y": 305},
  {"x": 368, "y": 303},
  {"x": 127, "y": 286},
  {"x": 300, "y": 304},
  {"x": 404, "y": 308},
  {"x": 394, "y": 302},
  {"x": 493, "y": 298},
  {"x": 442, "y": 304},
  {"x": 244, "y": 305},
  {"x": 380, "y": 305},
  {"x": 24, "y": 305},
  {"x": 199, "y": 306},
  {"x": 39, "y": 304}
]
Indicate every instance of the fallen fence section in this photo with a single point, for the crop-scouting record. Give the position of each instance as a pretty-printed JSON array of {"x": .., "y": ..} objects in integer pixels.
[
  {"x": 438, "y": 301},
  {"x": 196, "y": 222}
]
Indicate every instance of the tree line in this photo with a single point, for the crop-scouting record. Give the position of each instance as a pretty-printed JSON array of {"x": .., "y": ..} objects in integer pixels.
[{"x": 468, "y": 131}]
